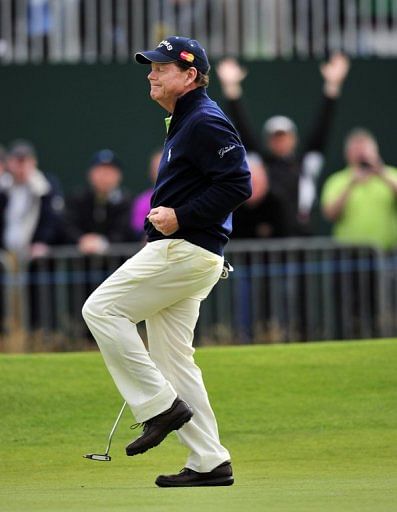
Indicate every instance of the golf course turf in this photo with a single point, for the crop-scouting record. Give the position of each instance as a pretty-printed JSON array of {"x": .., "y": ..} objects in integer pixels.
[{"x": 311, "y": 427}]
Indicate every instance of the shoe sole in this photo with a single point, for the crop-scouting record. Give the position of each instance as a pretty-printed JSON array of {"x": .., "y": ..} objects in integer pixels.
[
  {"x": 223, "y": 481},
  {"x": 178, "y": 423}
]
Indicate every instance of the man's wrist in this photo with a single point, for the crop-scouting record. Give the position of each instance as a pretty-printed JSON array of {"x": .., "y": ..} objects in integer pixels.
[
  {"x": 387, "y": 178},
  {"x": 180, "y": 213},
  {"x": 232, "y": 91},
  {"x": 332, "y": 89}
]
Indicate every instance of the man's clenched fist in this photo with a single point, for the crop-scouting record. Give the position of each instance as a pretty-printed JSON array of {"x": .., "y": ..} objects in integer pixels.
[{"x": 164, "y": 220}]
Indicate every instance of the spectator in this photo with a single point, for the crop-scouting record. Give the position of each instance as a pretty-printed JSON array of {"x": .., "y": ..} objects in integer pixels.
[
  {"x": 3, "y": 158},
  {"x": 292, "y": 175},
  {"x": 3, "y": 184},
  {"x": 141, "y": 204},
  {"x": 361, "y": 199},
  {"x": 5, "y": 178},
  {"x": 30, "y": 204},
  {"x": 99, "y": 214},
  {"x": 261, "y": 216}
]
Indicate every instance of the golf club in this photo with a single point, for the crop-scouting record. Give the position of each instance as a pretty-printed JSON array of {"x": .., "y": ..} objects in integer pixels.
[{"x": 106, "y": 457}]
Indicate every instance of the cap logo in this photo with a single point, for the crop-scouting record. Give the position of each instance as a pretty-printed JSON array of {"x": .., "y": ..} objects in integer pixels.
[
  {"x": 167, "y": 44},
  {"x": 189, "y": 57}
]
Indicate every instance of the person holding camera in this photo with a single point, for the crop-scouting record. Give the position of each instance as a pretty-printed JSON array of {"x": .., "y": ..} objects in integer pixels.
[{"x": 361, "y": 200}]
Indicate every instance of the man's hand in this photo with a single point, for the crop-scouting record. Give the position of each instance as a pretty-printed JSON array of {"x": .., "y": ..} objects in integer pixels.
[
  {"x": 368, "y": 167},
  {"x": 334, "y": 73},
  {"x": 92, "y": 243},
  {"x": 230, "y": 75},
  {"x": 39, "y": 250},
  {"x": 164, "y": 220}
]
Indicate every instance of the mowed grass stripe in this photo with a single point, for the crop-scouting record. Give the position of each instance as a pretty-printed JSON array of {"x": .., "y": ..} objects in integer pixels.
[{"x": 311, "y": 427}]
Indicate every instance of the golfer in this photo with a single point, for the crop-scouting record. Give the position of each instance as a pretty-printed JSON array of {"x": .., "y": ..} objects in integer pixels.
[{"x": 202, "y": 178}]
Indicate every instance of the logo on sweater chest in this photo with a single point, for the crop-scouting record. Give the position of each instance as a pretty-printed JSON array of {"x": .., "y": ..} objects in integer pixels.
[{"x": 169, "y": 155}]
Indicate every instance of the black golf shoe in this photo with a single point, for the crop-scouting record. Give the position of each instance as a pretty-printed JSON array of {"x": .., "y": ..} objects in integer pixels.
[
  {"x": 221, "y": 475},
  {"x": 157, "y": 428}
]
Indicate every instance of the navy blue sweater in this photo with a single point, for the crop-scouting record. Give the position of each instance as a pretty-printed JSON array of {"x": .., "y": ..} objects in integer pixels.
[{"x": 203, "y": 173}]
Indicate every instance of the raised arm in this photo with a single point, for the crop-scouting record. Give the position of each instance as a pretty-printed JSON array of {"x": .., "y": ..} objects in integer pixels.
[
  {"x": 231, "y": 76},
  {"x": 334, "y": 73}
]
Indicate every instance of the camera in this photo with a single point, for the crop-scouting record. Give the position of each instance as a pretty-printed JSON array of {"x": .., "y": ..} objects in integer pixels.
[{"x": 365, "y": 166}]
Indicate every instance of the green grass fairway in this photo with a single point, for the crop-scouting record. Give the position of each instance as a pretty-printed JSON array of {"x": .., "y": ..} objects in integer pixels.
[{"x": 311, "y": 427}]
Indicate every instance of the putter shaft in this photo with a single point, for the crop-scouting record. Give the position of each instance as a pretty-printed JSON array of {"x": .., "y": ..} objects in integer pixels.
[
  {"x": 106, "y": 456},
  {"x": 114, "y": 427}
]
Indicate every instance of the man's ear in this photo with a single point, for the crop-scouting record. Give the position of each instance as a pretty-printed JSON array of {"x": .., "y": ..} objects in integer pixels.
[{"x": 191, "y": 75}]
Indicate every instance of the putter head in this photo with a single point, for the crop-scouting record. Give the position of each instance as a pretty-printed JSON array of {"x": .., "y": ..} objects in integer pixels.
[{"x": 96, "y": 456}]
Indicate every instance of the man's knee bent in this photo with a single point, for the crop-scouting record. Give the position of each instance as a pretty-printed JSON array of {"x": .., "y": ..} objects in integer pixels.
[
  {"x": 97, "y": 306},
  {"x": 92, "y": 308}
]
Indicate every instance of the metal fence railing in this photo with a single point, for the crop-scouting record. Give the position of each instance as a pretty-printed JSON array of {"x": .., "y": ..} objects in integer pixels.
[
  {"x": 111, "y": 30},
  {"x": 280, "y": 291},
  {"x": 6, "y": 273},
  {"x": 313, "y": 289}
]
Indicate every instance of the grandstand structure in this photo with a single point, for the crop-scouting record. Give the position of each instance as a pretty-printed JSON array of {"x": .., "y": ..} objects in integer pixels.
[{"x": 91, "y": 31}]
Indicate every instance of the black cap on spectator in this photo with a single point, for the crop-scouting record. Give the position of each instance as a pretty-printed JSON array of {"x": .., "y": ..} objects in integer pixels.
[
  {"x": 22, "y": 149},
  {"x": 105, "y": 157}
]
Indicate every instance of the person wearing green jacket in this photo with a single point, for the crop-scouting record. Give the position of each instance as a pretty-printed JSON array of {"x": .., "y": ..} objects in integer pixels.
[{"x": 361, "y": 199}]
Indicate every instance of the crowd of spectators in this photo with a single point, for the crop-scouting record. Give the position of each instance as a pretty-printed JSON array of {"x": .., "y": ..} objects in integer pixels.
[
  {"x": 34, "y": 213},
  {"x": 292, "y": 169},
  {"x": 360, "y": 200}
]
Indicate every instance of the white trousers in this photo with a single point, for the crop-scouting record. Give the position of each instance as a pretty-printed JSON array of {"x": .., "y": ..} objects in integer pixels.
[{"x": 162, "y": 284}]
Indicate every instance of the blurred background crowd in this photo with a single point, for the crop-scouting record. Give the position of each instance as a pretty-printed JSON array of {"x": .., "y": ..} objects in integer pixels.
[
  {"x": 309, "y": 86},
  {"x": 359, "y": 200}
]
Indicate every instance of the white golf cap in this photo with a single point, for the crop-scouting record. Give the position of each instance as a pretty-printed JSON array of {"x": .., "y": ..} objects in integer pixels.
[{"x": 279, "y": 124}]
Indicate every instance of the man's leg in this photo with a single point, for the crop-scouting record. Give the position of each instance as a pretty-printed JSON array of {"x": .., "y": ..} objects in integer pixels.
[
  {"x": 112, "y": 312},
  {"x": 170, "y": 335},
  {"x": 160, "y": 275}
]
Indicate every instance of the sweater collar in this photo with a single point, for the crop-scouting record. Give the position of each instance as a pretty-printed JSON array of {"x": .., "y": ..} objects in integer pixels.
[{"x": 185, "y": 103}]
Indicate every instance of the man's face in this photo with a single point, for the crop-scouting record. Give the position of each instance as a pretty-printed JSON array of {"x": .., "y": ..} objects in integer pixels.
[
  {"x": 282, "y": 144},
  {"x": 21, "y": 167},
  {"x": 167, "y": 83},
  {"x": 104, "y": 178},
  {"x": 361, "y": 149}
]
